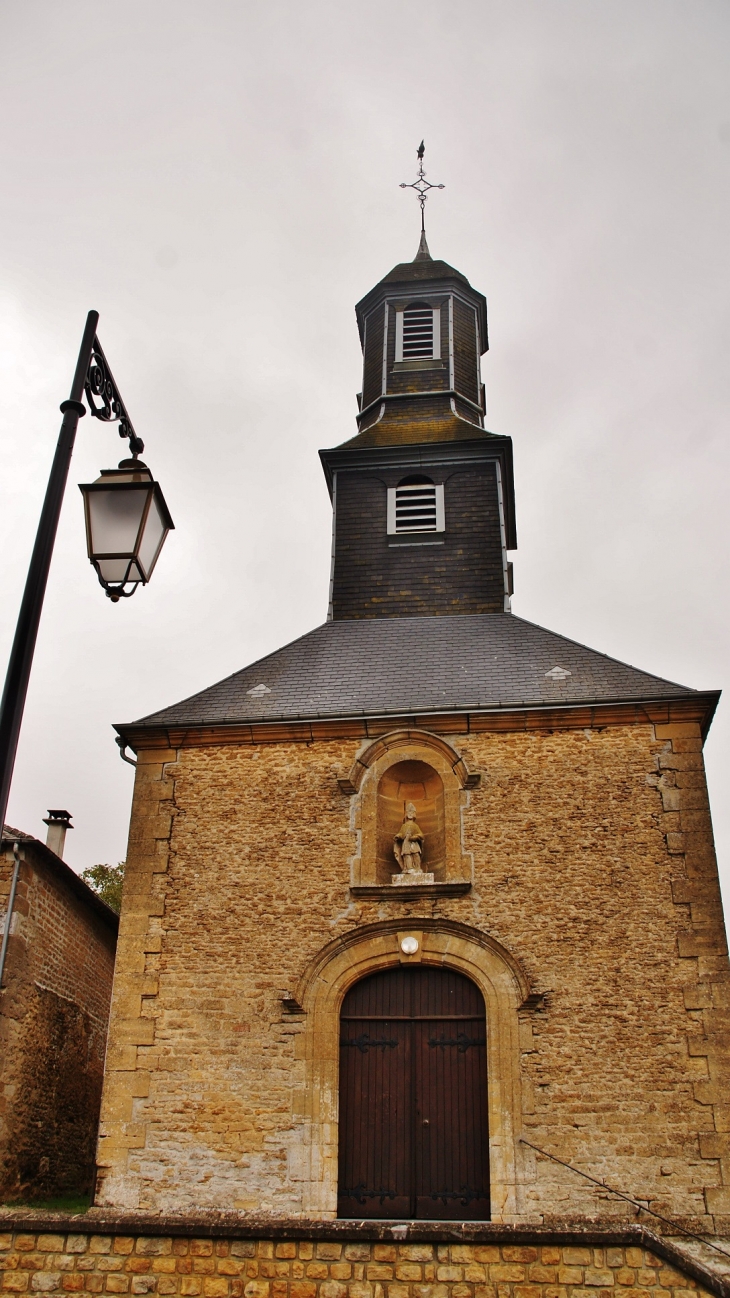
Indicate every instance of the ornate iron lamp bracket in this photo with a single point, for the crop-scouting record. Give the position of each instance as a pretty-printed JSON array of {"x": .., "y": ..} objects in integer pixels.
[{"x": 104, "y": 398}]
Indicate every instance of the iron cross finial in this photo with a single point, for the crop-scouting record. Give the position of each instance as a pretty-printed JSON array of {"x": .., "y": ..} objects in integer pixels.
[{"x": 421, "y": 185}]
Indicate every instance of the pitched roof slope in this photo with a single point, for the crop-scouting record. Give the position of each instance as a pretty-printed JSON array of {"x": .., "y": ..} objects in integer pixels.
[{"x": 416, "y": 664}]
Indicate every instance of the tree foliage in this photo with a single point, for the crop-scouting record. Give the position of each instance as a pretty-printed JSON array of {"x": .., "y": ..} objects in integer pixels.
[{"x": 107, "y": 882}]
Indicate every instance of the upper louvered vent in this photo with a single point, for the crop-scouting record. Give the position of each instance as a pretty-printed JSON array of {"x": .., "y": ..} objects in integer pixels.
[
  {"x": 417, "y": 332},
  {"x": 416, "y": 505},
  {"x": 415, "y": 509}
]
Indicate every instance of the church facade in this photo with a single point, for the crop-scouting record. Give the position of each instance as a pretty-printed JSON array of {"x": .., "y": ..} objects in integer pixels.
[{"x": 422, "y": 918}]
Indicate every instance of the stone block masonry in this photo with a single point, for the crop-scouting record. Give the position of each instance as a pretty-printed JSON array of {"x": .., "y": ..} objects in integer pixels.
[
  {"x": 593, "y": 921},
  {"x": 350, "y": 1260}
]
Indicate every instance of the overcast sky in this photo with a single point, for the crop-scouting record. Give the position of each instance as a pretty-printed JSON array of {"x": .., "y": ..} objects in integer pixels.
[{"x": 220, "y": 180}]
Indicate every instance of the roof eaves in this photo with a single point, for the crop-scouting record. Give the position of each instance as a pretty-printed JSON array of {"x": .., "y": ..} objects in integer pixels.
[
  {"x": 122, "y": 726},
  {"x": 708, "y": 698},
  {"x": 616, "y": 662}
]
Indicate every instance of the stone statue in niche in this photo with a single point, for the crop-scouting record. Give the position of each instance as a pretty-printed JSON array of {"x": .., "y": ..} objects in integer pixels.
[
  {"x": 407, "y": 849},
  {"x": 407, "y": 842}
]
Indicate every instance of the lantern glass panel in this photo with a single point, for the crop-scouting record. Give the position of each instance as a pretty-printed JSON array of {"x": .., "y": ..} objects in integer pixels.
[
  {"x": 114, "y": 519},
  {"x": 155, "y": 531},
  {"x": 116, "y": 571}
]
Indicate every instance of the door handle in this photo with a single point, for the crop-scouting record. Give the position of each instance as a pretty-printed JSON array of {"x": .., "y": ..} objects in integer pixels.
[{"x": 426, "y": 1122}]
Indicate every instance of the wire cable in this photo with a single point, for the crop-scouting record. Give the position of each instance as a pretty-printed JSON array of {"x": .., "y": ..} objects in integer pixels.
[{"x": 602, "y": 1184}]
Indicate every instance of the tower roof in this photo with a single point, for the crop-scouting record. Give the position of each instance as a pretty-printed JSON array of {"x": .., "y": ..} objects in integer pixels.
[
  {"x": 423, "y": 270},
  {"x": 406, "y": 398}
]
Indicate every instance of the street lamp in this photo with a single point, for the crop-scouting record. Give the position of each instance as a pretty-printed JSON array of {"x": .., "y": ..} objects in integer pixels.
[{"x": 127, "y": 521}]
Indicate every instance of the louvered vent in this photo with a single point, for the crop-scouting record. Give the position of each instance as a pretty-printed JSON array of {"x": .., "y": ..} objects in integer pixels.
[
  {"x": 417, "y": 332},
  {"x": 416, "y": 505},
  {"x": 415, "y": 508}
]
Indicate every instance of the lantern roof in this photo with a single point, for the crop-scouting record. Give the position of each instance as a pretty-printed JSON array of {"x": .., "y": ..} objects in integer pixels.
[{"x": 424, "y": 273}]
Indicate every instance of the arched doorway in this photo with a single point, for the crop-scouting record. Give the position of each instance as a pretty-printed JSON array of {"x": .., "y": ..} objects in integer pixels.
[{"x": 413, "y": 1097}]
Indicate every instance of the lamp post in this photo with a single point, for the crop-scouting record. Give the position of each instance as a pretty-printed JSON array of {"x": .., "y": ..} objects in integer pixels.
[{"x": 125, "y": 510}]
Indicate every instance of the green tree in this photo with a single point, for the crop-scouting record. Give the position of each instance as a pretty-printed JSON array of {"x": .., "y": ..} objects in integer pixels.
[{"x": 107, "y": 882}]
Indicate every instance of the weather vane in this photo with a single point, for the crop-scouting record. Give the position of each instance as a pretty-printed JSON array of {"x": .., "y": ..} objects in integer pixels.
[{"x": 421, "y": 185}]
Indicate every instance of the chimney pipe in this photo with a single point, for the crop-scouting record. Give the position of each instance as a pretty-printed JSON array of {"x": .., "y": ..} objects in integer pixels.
[{"x": 58, "y": 822}]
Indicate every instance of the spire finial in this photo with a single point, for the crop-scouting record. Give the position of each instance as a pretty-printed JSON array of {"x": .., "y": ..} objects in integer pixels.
[{"x": 421, "y": 186}]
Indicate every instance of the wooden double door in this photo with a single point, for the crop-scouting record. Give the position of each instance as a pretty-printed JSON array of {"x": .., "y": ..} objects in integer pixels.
[{"x": 414, "y": 1140}]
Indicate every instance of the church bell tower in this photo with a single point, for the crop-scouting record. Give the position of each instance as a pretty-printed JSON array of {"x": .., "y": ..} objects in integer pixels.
[{"x": 423, "y": 495}]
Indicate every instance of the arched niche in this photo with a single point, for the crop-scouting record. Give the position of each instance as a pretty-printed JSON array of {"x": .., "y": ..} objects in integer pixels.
[
  {"x": 404, "y": 782},
  {"x": 439, "y": 782}
]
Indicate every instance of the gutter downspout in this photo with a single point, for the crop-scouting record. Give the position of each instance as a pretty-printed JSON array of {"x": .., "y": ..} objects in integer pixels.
[
  {"x": 9, "y": 912},
  {"x": 503, "y": 537},
  {"x": 330, "y": 606}
]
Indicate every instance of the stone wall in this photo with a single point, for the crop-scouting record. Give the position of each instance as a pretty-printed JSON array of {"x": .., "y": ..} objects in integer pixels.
[
  {"x": 61, "y": 1263},
  {"x": 54, "y": 1011},
  {"x": 593, "y": 922}
]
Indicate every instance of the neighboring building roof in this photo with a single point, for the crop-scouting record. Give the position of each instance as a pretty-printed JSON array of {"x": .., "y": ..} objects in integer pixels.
[
  {"x": 63, "y": 873},
  {"x": 376, "y": 667}
]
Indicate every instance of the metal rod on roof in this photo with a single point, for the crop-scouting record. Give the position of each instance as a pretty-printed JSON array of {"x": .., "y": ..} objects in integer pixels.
[{"x": 9, "y": 912}]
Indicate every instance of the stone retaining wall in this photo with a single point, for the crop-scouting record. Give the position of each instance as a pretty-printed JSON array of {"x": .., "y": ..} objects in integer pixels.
[{"x": 205, "y": 1267}]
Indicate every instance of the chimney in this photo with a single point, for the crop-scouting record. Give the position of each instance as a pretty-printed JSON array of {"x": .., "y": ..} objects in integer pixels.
[{"x": 58, "y": 822}]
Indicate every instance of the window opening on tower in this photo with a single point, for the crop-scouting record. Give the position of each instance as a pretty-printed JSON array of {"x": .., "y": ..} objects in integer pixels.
[
  {"x": 417, "y": 331},
  {"x": 416, "y": 505}
]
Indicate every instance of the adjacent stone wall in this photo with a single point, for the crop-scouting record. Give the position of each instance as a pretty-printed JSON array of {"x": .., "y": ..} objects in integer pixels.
[
  {"x": 54, "y": 1012},
  {"x": 593, "y": 874},
  {"x": 62, "y": 1264},
  {"x": 53, "y": 1128}
]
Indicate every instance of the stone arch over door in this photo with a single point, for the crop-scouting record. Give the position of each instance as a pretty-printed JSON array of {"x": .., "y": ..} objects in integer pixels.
[{"x": 321, "y": 992}]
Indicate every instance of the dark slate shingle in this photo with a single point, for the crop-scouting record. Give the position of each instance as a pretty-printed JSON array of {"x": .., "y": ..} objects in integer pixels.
[{"x": 412, "y": 664}]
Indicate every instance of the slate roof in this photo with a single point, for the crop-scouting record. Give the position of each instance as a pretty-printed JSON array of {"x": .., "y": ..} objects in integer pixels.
[
  {"x": 411, "y": 274},
  {"x": 416, "y": 664},
  {"x": 422, "y": 268}
]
